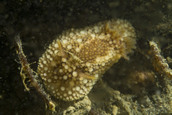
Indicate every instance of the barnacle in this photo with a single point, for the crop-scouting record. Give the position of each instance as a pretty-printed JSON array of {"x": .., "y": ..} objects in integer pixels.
[{"x": 73, "y": 63}]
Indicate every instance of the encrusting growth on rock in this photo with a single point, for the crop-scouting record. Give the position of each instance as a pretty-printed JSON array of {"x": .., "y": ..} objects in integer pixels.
[
  {"x": 73, "y": 63},
  {"x": 159, "y": 62}
]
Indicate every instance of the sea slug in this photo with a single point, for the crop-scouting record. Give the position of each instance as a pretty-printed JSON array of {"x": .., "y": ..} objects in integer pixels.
[{"x": 74, "y": 62}]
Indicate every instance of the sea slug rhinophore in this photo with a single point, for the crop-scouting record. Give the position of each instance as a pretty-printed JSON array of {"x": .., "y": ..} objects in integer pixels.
[{"x": 73, "y": 63}]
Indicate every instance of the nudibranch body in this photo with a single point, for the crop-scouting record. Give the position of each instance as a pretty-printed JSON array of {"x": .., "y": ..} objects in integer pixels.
[{"x": 74, "y": 61}]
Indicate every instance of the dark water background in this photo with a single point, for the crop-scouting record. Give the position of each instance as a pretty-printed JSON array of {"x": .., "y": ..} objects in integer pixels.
[{"x": 41, "y": 21}]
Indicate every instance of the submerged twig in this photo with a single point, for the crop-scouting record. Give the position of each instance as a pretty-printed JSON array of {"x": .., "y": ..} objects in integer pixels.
[{"x": 27, "y": 72}]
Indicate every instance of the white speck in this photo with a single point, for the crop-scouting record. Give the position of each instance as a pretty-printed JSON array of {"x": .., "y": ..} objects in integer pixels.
[
  {"x": 98, "y": 59},
  {"x": 88, "y": 64},
  {"x": 92, "y": 35},
  {"x": 77, "y": 49},
  {"x": 49, "y": 80},
  {"x": 64, "y": 60},
  {"x": 44, "y": 79},
  {"x": 56, "y": 51},
  {"x": 69, "y": 92},
  {"x": 65, "y": 94},
  {"x": 96, "y": 75},
  {"x": 103, "y": 64},
  {"x": 89, "y": 30},
  {"x": 50, "y": 52},
  {"x": 79, "y": 40},
  {"x": 90, "y": 84},
  {"x": 60, "y": 70},
  {"x": 85, "y": 81},
  {"x": 62, "y": 88},
  {"x": 52, "y": 87},
  {"x": 81, "y": 91},
  {"x": 45, "y": 74},
  {"x": 74, "y": 67},
  {"x": 125, "y": 34},
  {"x": 80, "y": 78},
  {"x": 51, "y": 59},
  {"x": 71, "y": 34},
  {"x": 65, "y": 77},
  {"x": 170, "y": 73},
  {"x": 74, "y": 94},
  {"x": 56, "y": 45},
  {"x": 73, "y": 89},
  {"x": 44, "y": 62},
  {"x": 82, "y": 32},
  {"x": 69, "y": 47},
  {"x": 91, "y": 70},
  {"x": 66, "y": 67},
  {"x": 101, "y": 36},
  {"x": 70, "y": 70},
  {"x": 107, "y": 57},
  {"x": 77, "y": 88},
  {"x": 74, "y": 73},
  {"x": 41, "y": 65},
  {"x": 71, "y": 97},
  {"x": 48, "y": 56},
  {"x": 85, "y": 89},
  {"x": 64, "y": 41},
  {"x": 96, "y": 29},
  {"x": 45, "y": 68}
]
